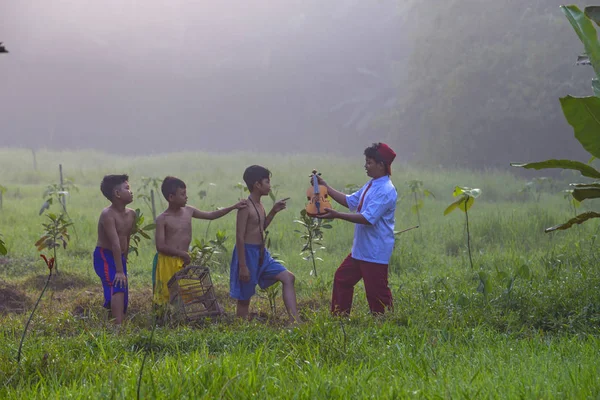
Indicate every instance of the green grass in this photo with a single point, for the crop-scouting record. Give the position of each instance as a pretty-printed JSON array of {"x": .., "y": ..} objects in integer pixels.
[{"x": 444, "y": 339}]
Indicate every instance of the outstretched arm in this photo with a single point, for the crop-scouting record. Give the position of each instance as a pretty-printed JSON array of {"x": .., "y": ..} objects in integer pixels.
[
  {"x": 356, "y": 218},
  {"x": 279, "y": 206},
  {"x": 210, "y": 215},
  {"x": 336, "y": 195}
]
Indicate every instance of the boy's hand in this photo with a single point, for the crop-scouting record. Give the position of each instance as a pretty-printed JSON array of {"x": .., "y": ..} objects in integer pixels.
[
  {"x": 244, "y": 273},
  {"x": 241, "y": 204},
  {"x": 320, "y": 181},
  {"x": 329, "y": 214},
  {"x": 120, "y": 280},
  {"x": 186, "y": 258},
  {"x": 280, "y": 205}
]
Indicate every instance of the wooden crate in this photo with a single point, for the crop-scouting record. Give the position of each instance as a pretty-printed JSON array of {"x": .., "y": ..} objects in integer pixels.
[{"x": 192, "y": 295}]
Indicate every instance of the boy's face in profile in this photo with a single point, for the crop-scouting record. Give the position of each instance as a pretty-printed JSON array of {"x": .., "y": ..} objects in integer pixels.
[
  {"x": 179, "y": 198},
  {"x": 372, "y": 167},
  {"x": 123, "y": 193},
  {"x": 263, "y": 186}
]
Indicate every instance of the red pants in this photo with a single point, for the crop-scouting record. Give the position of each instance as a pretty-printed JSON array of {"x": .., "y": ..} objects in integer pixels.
[{"x": 375, "y": 277}]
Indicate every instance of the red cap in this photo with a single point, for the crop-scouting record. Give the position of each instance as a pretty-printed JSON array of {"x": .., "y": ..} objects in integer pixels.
[{"x": 387, "y": 155}]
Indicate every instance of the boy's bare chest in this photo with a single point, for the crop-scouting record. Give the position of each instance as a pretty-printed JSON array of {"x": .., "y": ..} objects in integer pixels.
[
  {"x": 178, "y": 224},
  {"x": 123, "y": 224}
]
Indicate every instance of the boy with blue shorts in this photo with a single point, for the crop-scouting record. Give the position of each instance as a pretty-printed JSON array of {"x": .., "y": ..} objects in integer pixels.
[
  {"x": 251, "y": 263},
  {"x": 114, "y": 232}
]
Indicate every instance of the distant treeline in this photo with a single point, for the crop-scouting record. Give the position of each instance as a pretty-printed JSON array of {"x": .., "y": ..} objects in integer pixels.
[{"x": 453, "y": 82}]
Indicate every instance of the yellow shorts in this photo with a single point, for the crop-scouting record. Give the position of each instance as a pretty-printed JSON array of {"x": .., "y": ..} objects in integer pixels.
[{"x": 166, "y": 267}]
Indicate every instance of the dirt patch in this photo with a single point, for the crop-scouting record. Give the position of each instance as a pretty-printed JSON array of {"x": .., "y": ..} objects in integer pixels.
[
  {"x": 12, "y": 300},
  {"x": 61, "y": 281}
]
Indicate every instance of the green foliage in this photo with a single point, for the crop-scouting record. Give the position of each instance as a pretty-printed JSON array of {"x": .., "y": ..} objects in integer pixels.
[
  {"x": 583, "y": 114},
  {"x": 242, "y": 188},
  {"x": 466, "y": 198},
  {"x": 313, "y": 237},
  {"x": 581, "y": 218},
  {"x": 54, "y": 193},
  {"x": 55, "y": 235},
  {"x": 149, "y": 185},
  {"x": 417, "y": 194},
  {"x": 139, "y": 232},
  {"x": 203, "y": 250}
]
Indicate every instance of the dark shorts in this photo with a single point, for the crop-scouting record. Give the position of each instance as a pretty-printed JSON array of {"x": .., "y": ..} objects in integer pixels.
[
  {"x": 104, "y": 264},
  {"x": 263, "y": 275}
]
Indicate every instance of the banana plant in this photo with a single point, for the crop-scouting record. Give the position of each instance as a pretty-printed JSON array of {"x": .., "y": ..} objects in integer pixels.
[
  {"x": 583, "y": 114},
  {"x": 466, "y": 198}
]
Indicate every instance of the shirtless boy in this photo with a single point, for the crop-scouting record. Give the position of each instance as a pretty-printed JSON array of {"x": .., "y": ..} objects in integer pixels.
[
  {"x": 114, "y": 232},
  {"x": 251, "y": 262},
  {"x": 174, "y": 234}
]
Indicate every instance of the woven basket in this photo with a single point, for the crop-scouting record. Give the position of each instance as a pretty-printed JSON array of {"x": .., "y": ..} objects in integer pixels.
[{"x": 192, "y": 295}]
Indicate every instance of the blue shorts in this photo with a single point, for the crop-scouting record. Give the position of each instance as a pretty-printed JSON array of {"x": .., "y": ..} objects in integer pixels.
[
  {"x": 263, "y": 275},
  {"x": 104, "y": 264}
]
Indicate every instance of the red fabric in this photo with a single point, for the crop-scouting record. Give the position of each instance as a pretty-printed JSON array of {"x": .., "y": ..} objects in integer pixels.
[
  {"x": 387, "y": 154},
  {"x": 375, "y": 277},
  {"x": 362, "y": 198}
]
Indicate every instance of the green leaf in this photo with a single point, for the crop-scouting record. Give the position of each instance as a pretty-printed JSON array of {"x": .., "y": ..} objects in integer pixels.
[
  {"x": 149, "y": 227},
  {"x": 587, "y": 33},
  {"x": 581, "y": 218},
  {"x": 464, "y": 203},
  {"x": 581, "y": 194},
  {"x": 593, "y": 13},
  {"x": 3, "y": 250},
  {"x": 452, "y": 206},
  {"x": 584, "y": 169},
  {"x": 457, "y": 191},
  {"x": 583, "y": 114},
  {"x": 326, "y": 226}
]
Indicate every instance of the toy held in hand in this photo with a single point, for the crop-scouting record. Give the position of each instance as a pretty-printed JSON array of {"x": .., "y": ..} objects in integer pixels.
[{"x": 318, "y": 199}]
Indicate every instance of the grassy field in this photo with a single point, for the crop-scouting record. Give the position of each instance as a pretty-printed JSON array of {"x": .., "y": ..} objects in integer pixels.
[{"x": 532, "y": 333}]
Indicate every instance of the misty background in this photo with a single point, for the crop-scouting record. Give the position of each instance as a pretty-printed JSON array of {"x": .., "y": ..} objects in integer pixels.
[{"x": 450, "y": 82}]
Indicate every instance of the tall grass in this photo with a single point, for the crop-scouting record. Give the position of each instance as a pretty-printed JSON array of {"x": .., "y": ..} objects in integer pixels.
[{"x": 531, "y": 336}]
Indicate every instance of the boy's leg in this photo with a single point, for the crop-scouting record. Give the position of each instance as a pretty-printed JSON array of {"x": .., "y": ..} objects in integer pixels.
[
  {"x": 288, "y": 293},
  {"x": 379, "y": 295},
  {"x": 117, "y": 307},
  {"x": 242, "y": 309},
  {"x": 347, "y": 275}
]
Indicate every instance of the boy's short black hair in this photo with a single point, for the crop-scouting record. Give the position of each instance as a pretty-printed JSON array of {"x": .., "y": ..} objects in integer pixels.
[
  {"x": 110, "y": 182},
  {"x": 170, "y": 185},
  {"x": 371, "y": 152},
  {"x": 255, "y": 173}
]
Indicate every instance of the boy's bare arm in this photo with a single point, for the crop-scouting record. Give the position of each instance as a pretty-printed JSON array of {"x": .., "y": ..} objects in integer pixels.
[
  {"x": 110, "y": 230},
  {"x": 161, "y": 242},
  {"x": 240, "y": 232},
  {"x": 279, "y": 206},
  {"x": 210, "y": 215},
  {"x": 338, "y": 196}
]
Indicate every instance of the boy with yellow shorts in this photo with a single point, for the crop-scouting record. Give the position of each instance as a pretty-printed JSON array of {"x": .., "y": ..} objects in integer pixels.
[{"x": 174, "y": 235}]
